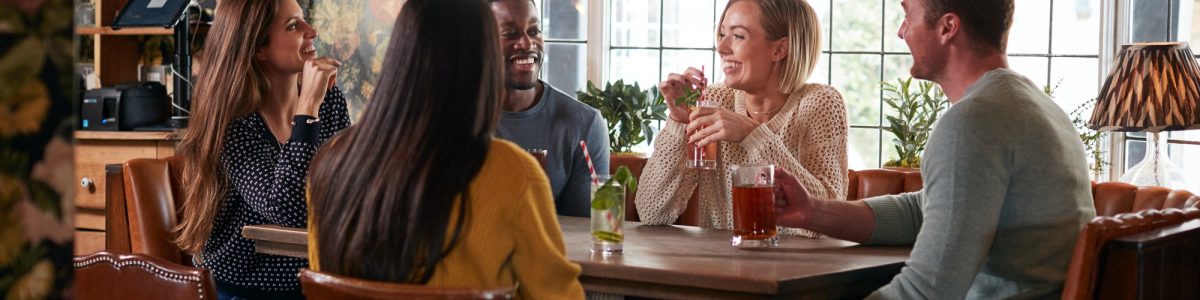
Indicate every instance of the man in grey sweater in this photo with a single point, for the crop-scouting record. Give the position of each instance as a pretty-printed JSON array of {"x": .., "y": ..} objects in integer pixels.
[
  {"x": 1006, "y": 190},
  {"x": 538, "y": 116}
]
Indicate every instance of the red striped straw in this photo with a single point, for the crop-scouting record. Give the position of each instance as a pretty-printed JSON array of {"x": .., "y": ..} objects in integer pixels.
[
  {"x": 591, "y": 167},
  {"x": 703, "y": 86}
]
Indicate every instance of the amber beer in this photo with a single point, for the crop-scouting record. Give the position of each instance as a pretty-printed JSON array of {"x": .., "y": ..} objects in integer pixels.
[
  {"x": 753, "y": 205},
  {"x": 754, "y": 212}
]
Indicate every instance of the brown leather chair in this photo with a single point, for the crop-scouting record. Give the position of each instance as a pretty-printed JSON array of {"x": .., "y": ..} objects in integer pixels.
[
  {"x": 104, "y": 275},
  {"x": 1085, "y": 276},
  {"x": 635, "y": 163},
  {"x": 876, "y": 182},
  {"x": 318, "y": 285},
  {"x": 1112, "y": 198},
  {"x": 153, "y": 198}
]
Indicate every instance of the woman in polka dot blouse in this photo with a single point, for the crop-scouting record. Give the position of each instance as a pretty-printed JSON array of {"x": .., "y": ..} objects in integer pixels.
[
  {"x": 264, "y": 103},
  {"x": 764, "y": 113}
]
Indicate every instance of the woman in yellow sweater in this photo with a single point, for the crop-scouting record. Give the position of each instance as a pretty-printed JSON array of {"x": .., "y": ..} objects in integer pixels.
[{"x": 418, "y": 191}]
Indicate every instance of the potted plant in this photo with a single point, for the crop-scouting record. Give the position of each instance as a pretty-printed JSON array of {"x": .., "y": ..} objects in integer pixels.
[
  {"x": 916, "y": 112},
  {"x": 628, "y": 110}
]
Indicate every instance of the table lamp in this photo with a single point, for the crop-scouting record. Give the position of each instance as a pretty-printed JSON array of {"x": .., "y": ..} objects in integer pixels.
[{"x": 1152, "y": 87}]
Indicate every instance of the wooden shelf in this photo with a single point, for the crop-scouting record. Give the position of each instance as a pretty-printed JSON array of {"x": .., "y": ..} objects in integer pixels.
[
  {"x": 130, "y": 135},
  {"x": 124, "y": 31}
]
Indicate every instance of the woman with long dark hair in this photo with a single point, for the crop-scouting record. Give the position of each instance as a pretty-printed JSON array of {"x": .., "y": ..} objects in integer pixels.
[
  {"x": 264, "y": 104},
  {"x": 419, "y": 191}
]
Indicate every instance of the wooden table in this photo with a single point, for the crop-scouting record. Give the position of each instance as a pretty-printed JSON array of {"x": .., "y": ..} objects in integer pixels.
[{"x": 682, "y": 262}]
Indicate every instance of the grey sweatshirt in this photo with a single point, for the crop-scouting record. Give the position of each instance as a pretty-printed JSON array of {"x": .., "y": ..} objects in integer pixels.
[{"x": 1005, "y": 195}]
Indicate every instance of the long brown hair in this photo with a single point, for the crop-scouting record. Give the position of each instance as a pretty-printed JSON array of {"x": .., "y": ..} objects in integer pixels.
[
  {"x": 383, "y": 192},
  {"x": 231, "y": 86}
]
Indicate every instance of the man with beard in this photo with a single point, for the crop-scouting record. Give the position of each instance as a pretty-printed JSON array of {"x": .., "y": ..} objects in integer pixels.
[
  {"x": 1005, "y": 189},
  {"x": 538, "y": 116}
]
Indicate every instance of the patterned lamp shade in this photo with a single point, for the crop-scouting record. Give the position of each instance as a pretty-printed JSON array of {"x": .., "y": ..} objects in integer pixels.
[{"x": 1152, "y": 87}]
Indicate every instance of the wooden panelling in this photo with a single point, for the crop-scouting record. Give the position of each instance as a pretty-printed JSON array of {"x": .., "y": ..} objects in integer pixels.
[
  {"x": 86, "y": 218},
  {"x": 88, "y": 242},
  {"x": 90, "y": 158}
]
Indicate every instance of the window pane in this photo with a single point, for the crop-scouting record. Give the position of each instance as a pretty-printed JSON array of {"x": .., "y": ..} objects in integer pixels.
[
  {"x": 718, "y": 9},
  {"x": 716, "y": 75},
  {"x": 1077, "y": 80},
  {"x": 1187, "y": 135},
  {"x": 1191, "y": 32},
  {"x": 1134, "y": 152},
  {"x": 821, "y": 73},
  {"x": 822, "y": 8},
  {"x": 857, "y": 77},
  {"x": 566, "y": 66},
  {"x": 894, "y": 16},
  {"x": 676, "y": 61},
  {"x": 1030, "y": 21},
  {"x": 635, "y": 23},
  {"x": 856, "y": 25},
  {"x": 1187, "y": 158},
  {"x": 896, "y": 66},
  {"x": 565, "y": 19},
  {"x": 1076, "y": 27},
  {"x": 686, "y": 24},
  {"x": 887, "y": 147},
  {"x": 1032, "y": 67},
  {"x": 634, "y": 65},
  {"x": 1150, "y": 20},
  {"x": 863, "y": 150}
]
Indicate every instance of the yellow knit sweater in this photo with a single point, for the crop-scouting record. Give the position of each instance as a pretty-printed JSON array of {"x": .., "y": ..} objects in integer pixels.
[{"x": 512, "y": 237}]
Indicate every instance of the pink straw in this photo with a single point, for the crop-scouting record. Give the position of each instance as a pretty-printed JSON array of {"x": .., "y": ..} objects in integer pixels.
[{"x": 588, "y": 157}]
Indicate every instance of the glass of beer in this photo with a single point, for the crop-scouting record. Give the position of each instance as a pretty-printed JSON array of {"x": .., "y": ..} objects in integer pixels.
[
  {"x": 608, "y": 216},
  {"x": 754, "y": 206}
]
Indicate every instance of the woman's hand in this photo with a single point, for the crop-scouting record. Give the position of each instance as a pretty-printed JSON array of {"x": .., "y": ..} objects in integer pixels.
[
  {"x": 676, "y": 86},
  {"x": 319, "y": 74},
  {"x": 712, "y": 124}
]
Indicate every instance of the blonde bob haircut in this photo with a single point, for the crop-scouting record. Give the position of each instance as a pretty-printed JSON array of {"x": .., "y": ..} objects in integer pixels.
[{"x": 797, "y": 21}]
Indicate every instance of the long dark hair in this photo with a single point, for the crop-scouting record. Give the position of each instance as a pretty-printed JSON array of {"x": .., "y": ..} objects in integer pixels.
[
  {"x": 382, "y": 193},
  {"x": 231, "y": 86}
]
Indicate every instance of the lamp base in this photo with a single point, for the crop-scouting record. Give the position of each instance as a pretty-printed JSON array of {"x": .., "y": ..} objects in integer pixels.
[{"x": 1155, "y": 169}]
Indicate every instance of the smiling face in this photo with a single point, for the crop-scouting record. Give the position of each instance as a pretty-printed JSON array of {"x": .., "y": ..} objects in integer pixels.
[
  {"x": 520, "y": 41},
  {"x": 289, "y": 41},
  {"x": 748, "y": 54},
  {"x": 929, "y": 56}
]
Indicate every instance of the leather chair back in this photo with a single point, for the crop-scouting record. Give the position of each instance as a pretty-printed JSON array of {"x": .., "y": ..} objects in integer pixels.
[
  {"x": 318, "y": 285},
  {"x": 635, "y": 163},
  {"x": 1084, "y": 275},
  {"x": 105, "y": 276},
  {"x": 877, "y": 182},
  {"x": 153, "y": 198},
  {"x": 1112, "y": 198}
]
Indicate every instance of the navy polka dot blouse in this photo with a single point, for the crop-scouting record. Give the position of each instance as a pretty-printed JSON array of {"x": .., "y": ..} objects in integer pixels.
[{"x": 265, "y": 185}]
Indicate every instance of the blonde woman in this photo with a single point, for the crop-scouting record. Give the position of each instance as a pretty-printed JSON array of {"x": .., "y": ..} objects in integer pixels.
[
  {"x": 765, "y": 113},
  {"x": 264, "y": 105}
]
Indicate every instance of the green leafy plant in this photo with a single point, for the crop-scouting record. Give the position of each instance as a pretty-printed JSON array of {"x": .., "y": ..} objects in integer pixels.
[
  {"x": 917, "y": 109},
  {"x": 629, "y": 111},
  {"x": 689, "y": 98},
  {"x": 1091, "y": 138}
]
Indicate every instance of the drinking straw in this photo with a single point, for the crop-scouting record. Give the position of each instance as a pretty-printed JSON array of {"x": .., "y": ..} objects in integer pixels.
[{"x": 588, "y": 158}]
